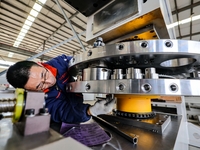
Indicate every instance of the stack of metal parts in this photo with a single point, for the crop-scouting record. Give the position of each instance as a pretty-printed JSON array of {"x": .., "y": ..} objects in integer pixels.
[{"x": 144, "y": 69}]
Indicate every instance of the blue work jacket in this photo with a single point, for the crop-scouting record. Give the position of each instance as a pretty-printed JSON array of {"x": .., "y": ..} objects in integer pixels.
[{"x": 64, "y": 106}]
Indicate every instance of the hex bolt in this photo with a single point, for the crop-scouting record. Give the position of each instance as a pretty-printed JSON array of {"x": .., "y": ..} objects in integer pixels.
[
  {"x": 120, "y": 47},
  {"x": 168, "y": 44},
  {"x": 30, "y": 112},
  {"x": 144, "y": 44},
  {"x": 89, "y": 53},
  {"x": 43, "y": 111},
  {"x": 121, "y": 87},
  {"x": 146, "y": 87},
  {"x": 87, "y": 87},
  {"x": 173, "y": 87}
]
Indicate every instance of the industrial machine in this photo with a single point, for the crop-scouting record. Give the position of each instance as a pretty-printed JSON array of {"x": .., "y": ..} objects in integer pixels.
[
  {"x": 139, "y": 74},
  {"x": 136, "y": 58},
  {"x": 27, "y": 110}
]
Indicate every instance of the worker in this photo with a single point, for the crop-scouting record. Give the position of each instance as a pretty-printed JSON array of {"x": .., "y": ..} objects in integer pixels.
[{"x": 51, "y": 77}]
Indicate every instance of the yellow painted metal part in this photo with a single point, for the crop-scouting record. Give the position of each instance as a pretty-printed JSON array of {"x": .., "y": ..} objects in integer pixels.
[
  {"x": 19, "y": 94},
  {"x": 134, "y": 103}
]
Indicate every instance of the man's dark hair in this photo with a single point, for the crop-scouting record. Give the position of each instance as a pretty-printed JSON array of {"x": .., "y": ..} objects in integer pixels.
[{"x": 18, "y": 74}]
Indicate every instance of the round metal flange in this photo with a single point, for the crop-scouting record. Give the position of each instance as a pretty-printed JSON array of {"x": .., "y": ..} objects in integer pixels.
[
  {"x": 138, "y": 86},
  {"x": 167, "y": 56}
]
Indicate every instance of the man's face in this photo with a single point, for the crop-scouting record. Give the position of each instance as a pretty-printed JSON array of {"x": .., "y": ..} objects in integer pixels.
[{"x": 40, "y": 79}]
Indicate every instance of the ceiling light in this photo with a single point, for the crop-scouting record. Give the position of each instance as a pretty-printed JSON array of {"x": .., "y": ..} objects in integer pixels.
[
  {"x": 10, "y": 54},
  {"x": 15, "y": 44},
  {"x": 27, "y": 22},
  {"x": 30, "y": 18},
  {"x": 20, "y": 37},
  {"x": 22, "y": 34},
  {"x": 37, "y": 7},
  {"x": 6, "y": 62},
  {"x": 172, "y": 25},
  {"x": 26, "y": 27},
  {"x": 19, "y": 40},
  {"x": 42, "y": 1},
  {"x": 24, "y": 30},
  {"x": 195, "y": 17},
  {"x": 187, "y": 20},
  {"x": 34, "y": 13},
  {"x": 3, "y": 67}
]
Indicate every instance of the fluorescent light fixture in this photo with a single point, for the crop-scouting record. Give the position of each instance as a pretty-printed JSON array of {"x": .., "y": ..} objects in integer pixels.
[
  {"x": 29, "y": 21},
  {"x": 19, "y": 40},
  {"x": 33, "y": 13},
  {"x": 20, "y": 37},
  {"x": 37, "y": 7},
  {"x": 187, "y": 20},
  {"x": 10, "y": 54},
  {"x": 15, "y": 44},
  {"x": 30, "y": 18},
  {"x": 22, "y": 34},
  {"x": 24, "y": 30},
  {"x": 26, "y": 27},
  {"x": 196, "y": 18},
  {"x": 3, "y": 67},
  {"x": 172, "y": 25},
  {"x": 6, "y": 62},
  {"x": 42, "y": 1}
]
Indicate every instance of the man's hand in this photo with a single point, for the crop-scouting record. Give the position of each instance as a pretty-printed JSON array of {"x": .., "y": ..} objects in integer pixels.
[{"x": 102, "y": 106}]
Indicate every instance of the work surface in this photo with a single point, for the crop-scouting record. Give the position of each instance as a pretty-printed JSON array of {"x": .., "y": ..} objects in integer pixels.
[
  {"x": 10, "y": 139},
  {"x": 146, "y": 141}
]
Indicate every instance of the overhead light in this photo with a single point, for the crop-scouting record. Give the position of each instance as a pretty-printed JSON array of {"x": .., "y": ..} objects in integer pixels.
[
  {"x": 26, "y": 27},
  {"x": 3, "y": 67},
  {"x": 184, "y": 21},
  {"x": 195, "y": 18},
  {"x": 34, "y": 13},
  {"x": 16, "y": 44},
  {"x": 24, "y": 30},
  {"x": 10, "y": 54},
  {"x": 30, "y": 18},
  {"x": 20, "y": 37},
  {"x": 6, "y": 62},
  {"x": 19, "y": 40},
  {"x": 29, "y": 21},
  {"x": 22, "y": 34},
  {"x": 37, "y": 7},
  {"x": 42, "y": 1}
]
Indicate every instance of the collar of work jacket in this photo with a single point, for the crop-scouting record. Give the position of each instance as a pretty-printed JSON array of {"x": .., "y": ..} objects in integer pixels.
[{"x": 53, "y": 71}]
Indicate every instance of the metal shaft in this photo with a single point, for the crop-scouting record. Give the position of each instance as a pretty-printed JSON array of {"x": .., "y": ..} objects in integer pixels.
[{"x": 7, "y": 105}]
